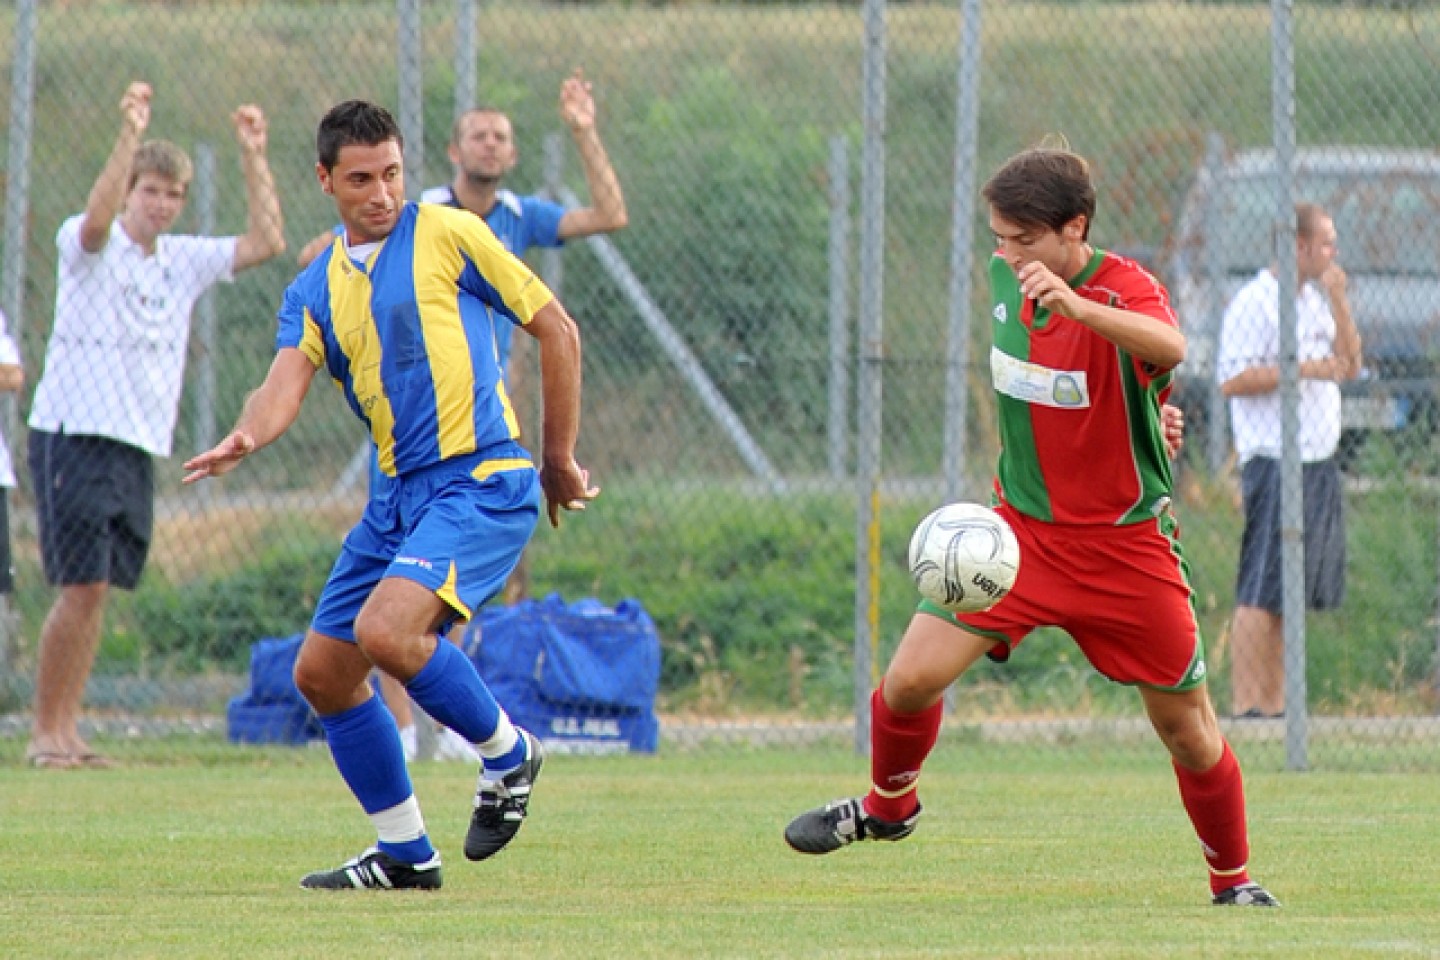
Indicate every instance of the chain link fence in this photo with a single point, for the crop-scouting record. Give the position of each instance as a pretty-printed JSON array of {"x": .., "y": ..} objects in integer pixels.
[{"x": 722, "y": 327}]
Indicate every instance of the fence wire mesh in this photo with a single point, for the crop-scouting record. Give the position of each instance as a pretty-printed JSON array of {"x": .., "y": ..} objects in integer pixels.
[{"x": 719, "y": 388}]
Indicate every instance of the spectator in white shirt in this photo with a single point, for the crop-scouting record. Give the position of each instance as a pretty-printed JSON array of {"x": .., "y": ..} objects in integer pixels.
[
  {"x": 108, "y": 398},
  {"x": 1249, "y": 374}
]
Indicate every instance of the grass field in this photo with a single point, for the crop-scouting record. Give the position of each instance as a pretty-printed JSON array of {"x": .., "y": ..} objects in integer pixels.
[{"x": 680, "y": 856}]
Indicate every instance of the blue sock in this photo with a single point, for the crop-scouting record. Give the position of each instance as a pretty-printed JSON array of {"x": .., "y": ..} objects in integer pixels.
[
  {"x": 450, "y": 690},
  {"x": 366, "y": 746}
]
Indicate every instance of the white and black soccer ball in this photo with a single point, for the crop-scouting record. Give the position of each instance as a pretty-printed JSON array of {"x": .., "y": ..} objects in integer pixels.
[{"x": 964, "y": 557}]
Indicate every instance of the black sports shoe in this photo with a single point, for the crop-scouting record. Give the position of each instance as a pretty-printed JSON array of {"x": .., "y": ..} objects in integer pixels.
[
  {"x": 836, "y": 824},
  {"x": 500, "y": 805},
  {"x": 1245, "y": 895},
  {"x": 375, "y": 870}
]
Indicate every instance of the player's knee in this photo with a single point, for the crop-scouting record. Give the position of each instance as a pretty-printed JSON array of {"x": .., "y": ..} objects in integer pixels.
[
  {"x": 313, "y": 683},
  {"x": 376, "y": 637},
  {"x": 908, "y": 691},
  {"x": 1194, "y": 744}
]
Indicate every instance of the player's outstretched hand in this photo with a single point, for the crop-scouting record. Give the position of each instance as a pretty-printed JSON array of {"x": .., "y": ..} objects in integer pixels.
[
  {"x": 221, "y": 458},
  {"x": 567, "y": 487}
]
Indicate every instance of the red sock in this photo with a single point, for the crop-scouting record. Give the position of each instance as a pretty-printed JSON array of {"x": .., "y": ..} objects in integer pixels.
[
  {"x": 899, "y": 744},
  {"x": 1215, "y": 801}
]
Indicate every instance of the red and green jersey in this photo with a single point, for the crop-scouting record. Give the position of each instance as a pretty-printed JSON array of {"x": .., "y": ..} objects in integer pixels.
[{"x": 1079, "y": 417}]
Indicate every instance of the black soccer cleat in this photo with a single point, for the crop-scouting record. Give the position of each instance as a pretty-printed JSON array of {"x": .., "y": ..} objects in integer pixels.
[
  {"x": 500, "y": 806},
  {"x": 376, "y": 870},
  {"x": 1245, "y": 895},
  {"x": 837, "y": 824}
]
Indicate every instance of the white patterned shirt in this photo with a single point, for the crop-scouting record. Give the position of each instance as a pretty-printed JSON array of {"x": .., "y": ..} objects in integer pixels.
[{"x": 116, "y": 359}]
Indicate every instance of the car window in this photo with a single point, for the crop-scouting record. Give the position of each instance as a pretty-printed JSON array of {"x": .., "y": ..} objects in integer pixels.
[{"x": 1389, "y": 225}]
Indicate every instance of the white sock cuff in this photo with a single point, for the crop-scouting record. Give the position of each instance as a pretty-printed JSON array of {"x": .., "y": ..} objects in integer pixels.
[
  {"x": 401, "y": 823},
  {"x": 502, "y": 741}
]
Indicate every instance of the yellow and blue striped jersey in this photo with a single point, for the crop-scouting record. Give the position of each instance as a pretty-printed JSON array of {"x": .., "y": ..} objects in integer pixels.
[{"x": 409, "y": 337}]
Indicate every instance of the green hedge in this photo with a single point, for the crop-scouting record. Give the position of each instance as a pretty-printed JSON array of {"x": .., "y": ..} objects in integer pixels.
[{"x": 754, "y": 601}]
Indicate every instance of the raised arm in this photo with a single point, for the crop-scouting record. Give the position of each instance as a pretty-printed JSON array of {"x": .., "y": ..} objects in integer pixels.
[
  {"x": 107, "y": 195},
  {"x": 606, "y": 212},
  {"x": 565, "y": 482},
  {"x": 268, "y": 413},
  {"x": 264, "y": 235}
]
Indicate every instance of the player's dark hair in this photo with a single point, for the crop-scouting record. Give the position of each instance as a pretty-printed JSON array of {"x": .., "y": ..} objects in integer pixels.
[
  {"x": 1043, "y": 187},
  {"x": 354, "y": 122}
]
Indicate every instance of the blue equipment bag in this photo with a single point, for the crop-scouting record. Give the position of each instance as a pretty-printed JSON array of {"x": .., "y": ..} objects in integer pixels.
[
  {"x": 272, "y": 710},
  {"x": 582, "y": 678}
]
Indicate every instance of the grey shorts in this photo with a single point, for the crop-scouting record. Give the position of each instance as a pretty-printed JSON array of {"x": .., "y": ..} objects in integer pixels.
[
  {"x": 1258, "y": 583},
  {"x": 95, "y": 501}
]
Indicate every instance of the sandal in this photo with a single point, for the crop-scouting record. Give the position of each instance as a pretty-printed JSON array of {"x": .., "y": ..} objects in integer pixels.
[{"x": 46, "y": 760}]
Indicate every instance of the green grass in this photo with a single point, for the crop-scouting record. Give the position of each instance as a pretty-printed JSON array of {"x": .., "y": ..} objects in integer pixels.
[{"x": 1021, "y": 855}]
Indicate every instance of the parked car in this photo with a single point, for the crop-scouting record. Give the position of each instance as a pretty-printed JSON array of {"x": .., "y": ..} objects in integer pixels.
[{"x": 1386, "y": 207}]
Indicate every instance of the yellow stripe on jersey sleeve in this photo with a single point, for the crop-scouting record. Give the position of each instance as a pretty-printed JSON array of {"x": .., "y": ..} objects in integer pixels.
[
  {"x": 523, "y": 292},
  {"x": 312, "y": 341}
]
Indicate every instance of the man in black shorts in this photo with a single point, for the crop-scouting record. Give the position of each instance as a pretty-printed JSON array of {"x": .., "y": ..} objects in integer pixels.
[{"x": 1249, "y": 374}]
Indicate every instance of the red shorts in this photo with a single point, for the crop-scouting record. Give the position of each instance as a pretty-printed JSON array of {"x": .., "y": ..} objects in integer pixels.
[{"x": 1122, "y": 593}]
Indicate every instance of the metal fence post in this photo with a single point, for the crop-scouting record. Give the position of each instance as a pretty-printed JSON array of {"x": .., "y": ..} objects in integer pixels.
[
  {"x": 1292, "y": 522},
  {"x": 12, "y": 272},
  {"x": 838, "y": 422},
  {"x": 466, "y": 55},
  {"x": 962, "y": 242},
  {"x": 871, "y": 373},
  {"x": 205, "y": 317},
  {"x": 409, "y": 53}
]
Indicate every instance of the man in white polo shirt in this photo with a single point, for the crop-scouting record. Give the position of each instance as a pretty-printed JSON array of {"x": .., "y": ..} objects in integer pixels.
[
  {"x": 110, "y": 392},
  {"x": 1249, "y": 374}
]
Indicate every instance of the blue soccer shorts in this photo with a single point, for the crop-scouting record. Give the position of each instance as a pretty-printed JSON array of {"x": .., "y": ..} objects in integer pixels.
[{"x": 456, "y": 528}]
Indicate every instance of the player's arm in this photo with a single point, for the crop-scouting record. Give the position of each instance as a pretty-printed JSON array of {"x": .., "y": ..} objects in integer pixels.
[
  {"x": 501, "y": 280},
  {"x": 268, "y": 413},
  {"x": 565, "y": 482},
  {"x": 264, "y": 235},
  {"x": 107, "y": 195},
  {"x": 606, "y": 212},
  {"x": 1146, "y": 338}
]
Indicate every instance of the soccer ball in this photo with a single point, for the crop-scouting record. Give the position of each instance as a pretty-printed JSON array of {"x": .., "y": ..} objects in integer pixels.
[{"x": 964, "y": 557}]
